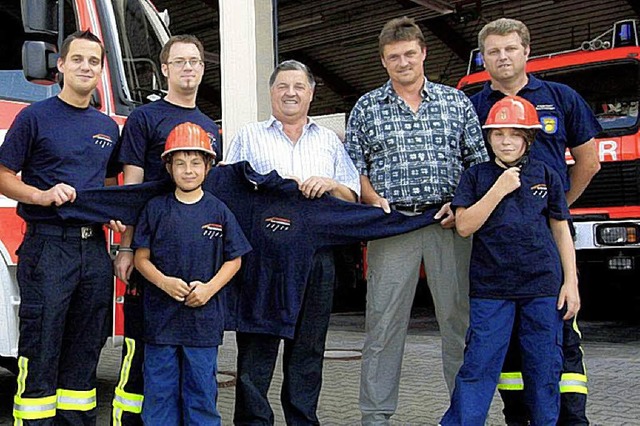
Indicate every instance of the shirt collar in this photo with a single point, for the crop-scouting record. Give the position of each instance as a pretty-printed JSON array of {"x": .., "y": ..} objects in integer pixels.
[
  {"x": 533, "y": 83},
  {"x": 274, "y": 122},
  {"x": 387, "y": 93}
]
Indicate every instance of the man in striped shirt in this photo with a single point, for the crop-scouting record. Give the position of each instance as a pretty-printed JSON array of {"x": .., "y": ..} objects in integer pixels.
[{"x": 296, "y": 147}]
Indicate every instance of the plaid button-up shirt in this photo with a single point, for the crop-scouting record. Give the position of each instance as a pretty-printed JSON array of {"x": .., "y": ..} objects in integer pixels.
[{"x": 415, "y": 157}]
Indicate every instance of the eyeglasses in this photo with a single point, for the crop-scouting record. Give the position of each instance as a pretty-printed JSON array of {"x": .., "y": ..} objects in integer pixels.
[{"x": 180, "y": 63}]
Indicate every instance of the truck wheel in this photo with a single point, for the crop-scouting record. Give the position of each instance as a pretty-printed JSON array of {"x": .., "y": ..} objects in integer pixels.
[{"x": 10, "y": 364}]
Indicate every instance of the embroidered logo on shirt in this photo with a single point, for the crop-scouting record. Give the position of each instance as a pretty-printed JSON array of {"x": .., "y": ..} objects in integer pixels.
[
  {"x": 549, "y": 124},
  {"x": 545, "y": 107},
  {"x": 212, "y": 230},
  {"x": 539, "y": 190},
  {"x": 277, "y": 224},
  {"x": 102, "y": 141}
]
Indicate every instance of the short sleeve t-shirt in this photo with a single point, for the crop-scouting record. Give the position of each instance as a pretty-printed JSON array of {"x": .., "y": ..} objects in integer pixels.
[
  {"x": 52, "y": 142},
  {"x": 146, "y": 131},
  {"x": 191, "y": 242},
  {"x": 514, "y": 254}
]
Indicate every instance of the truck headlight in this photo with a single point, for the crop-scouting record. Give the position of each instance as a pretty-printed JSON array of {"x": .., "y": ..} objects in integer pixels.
[{"x": 617, "y": 234}]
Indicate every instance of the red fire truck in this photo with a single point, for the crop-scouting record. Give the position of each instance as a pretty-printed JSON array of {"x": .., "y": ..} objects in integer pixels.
[
  {"x": 606, "y": 72},
  {"x": 31, "y": 32}
]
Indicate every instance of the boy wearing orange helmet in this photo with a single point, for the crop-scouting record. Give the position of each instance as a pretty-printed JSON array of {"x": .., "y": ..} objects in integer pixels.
[
  {"x": 522, "y": 266},
  {"x": 188, "y": 246}
]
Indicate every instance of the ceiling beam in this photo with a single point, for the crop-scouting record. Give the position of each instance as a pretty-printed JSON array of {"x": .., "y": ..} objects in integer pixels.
[
  {"x": 449, "y": 36},
  {"x": 635, "y": 6}
]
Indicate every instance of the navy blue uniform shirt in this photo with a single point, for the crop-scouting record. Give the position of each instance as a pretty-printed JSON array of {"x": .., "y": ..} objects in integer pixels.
[
  {"x": 284, "y": 229},
  {"x": 146, "y": 131},
  {"x": 514, "y": 254},
  {"x": 190, "y": 242},
  {"x": 53, "y": 142},
  {"x": 567, "y": 121}
]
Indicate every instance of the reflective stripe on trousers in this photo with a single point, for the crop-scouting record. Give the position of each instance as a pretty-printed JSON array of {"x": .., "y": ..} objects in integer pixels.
[
  {"x": 569, "y": 382},
  {"x": 76, "y": 400},
  {"x": 30, "y": 408},
  {"x": 122, "y": 400}
]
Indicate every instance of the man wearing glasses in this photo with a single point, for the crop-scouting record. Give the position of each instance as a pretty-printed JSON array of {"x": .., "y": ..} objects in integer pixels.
[{"x": 143, "y": 139}]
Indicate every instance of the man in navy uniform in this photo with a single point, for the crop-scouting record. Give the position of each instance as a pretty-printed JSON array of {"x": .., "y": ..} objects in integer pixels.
[
  {"x": 61, "y": 145},
  {"x": 567, "y": 122}
]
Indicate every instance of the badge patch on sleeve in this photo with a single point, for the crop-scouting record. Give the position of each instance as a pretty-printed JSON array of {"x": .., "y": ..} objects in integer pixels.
[
  {"x": 549, "y": 124},
  {"x": 539, "y": 190}
]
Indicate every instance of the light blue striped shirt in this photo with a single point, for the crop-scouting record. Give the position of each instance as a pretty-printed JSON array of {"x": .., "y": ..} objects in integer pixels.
[{"x": 318, "y": 152}]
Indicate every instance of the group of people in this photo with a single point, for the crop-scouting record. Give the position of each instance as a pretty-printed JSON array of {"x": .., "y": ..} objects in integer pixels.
[{"x": 509, "y": 295}]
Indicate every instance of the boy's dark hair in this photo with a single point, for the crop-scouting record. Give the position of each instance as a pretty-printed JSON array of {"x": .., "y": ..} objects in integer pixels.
[
  {"x": 80, "y": 35},
  {"x": 400, "y": 29},
  {"x": 181, "y": 38}
]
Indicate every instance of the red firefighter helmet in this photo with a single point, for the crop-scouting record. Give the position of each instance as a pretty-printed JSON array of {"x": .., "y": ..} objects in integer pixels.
[
  {"x": 513, "y": 111},
  {"x": 188, "y": 137}
]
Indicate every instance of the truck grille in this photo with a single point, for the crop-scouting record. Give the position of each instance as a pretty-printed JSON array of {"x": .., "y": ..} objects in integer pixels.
[{"x": 616, "y": 184}]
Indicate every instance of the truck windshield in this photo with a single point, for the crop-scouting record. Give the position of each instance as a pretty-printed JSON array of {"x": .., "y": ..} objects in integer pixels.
[
  {"x": 611, "y": 89},
  {"x": 141, "y": 35}
]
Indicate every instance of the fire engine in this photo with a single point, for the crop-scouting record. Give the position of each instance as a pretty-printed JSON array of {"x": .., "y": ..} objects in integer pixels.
[
  {"x": 31, "y": 31},
  {"x": 606, "y": 73}
]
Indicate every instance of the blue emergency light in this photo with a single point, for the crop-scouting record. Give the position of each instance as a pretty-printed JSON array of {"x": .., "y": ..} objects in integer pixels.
[
  {"x": 476, "y": 63},
  {"x": 625, "y": 33}
]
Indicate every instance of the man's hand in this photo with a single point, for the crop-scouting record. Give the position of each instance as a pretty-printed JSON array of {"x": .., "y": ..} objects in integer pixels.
[
  {"x": 383, "y": 203},
  {"x": 200, "y": 294},
  {"x": 446, "y": 216},
  {"x": 123, "y": 266},
  {"x": 316, "y": 186},
  {"x": 116, "y": 226},
  {"x": 570, "y": 297},
  {"x": 56, "y": 195},
  {"x": 175, "y": 287}
]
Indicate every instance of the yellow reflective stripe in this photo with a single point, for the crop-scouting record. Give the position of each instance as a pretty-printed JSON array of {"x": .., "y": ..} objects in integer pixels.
[
  {"x": 76, "y": 400},
  {"x": 123, "y": 400},
  {"x": 34, "y": 408},
  {"x": 116, "y": 416},
  {"x": 131, "y": 402},
  {"x": 573, "y": 383},
  {"x": 126, "y": 362},
  {"x": 575, "y": 326},
  {"x": 511, "y": 381},
  {"x": 23, "y": 367}
]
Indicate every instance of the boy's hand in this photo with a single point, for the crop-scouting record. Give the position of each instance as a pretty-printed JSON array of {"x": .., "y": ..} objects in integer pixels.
[
  {"x": 570, "y": 297},
  {"x": 200, "y": 294},
  {"x": 175, "y": 287},
  {"x": 508, "y": 181}
]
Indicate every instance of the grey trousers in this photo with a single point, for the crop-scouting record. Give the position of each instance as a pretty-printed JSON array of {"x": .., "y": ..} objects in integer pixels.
[{"x": 392, "y": 276}]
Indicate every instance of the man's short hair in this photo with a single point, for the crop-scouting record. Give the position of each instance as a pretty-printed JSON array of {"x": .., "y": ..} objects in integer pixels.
[
  {"x": 503, "y": 27},
  {"x": 292, "y": 65},
  {"x": 81, "y": 35},
  {"x": 400, "y": 29},
  {"x": 181, "y": 38}
]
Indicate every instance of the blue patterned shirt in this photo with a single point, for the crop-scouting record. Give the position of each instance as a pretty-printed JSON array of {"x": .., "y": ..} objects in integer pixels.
[{"x": 415, "y": 158}]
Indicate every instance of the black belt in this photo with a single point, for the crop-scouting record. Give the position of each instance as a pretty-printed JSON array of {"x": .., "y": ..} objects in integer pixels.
[
  {"x": 415, "y": 208},
  {"x": 82, "y": 232}
]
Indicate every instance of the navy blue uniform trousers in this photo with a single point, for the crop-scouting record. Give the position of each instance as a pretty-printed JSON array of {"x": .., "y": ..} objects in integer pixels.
[
  {"x": 66, "y": 287},
  {"x": 302, "y": 359}
]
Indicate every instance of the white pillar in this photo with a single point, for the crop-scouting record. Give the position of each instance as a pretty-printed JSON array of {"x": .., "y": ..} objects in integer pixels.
[{"x": 246, "y": 61}]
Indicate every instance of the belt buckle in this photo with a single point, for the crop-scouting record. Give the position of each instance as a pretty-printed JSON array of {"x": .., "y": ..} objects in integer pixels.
[{"x": 86, "y": 232}]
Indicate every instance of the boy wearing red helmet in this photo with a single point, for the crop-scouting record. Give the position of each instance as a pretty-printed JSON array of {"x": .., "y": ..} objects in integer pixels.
[
  {"x": 188, "y": 246},
  {"x": 522, "y": 266}
]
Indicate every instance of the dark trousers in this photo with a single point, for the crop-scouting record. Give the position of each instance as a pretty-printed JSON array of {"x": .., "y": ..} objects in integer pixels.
[
  {"x": 129, "y": 392},
  {"x": 66, "y": 291},
  {"x": 573, "y": 393},
  {"x": 302, "y": 359}
]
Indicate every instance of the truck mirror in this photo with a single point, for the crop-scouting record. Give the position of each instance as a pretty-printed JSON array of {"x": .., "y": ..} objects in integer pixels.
[
  {"x": 39, "y": 62},
  {"x": 40, "y": 16}
]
